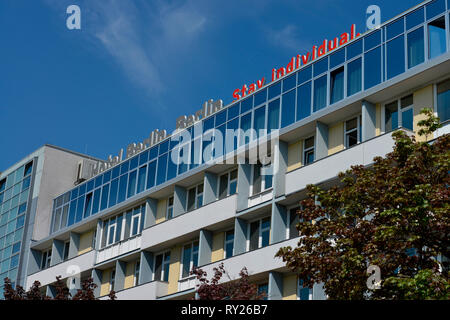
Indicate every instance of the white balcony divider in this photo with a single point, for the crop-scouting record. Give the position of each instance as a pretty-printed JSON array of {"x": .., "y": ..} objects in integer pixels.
[{"x": 119, "y": 248}]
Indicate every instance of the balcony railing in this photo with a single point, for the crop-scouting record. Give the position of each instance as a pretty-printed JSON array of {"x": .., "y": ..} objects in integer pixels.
[{"x": 119, "y": 248}]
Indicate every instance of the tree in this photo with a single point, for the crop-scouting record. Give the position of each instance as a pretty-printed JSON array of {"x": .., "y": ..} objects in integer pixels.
[
  {"x": 393, "y": 214},
  {"x": 240, "y": 289},
  {"x": 62, "y": 292}
]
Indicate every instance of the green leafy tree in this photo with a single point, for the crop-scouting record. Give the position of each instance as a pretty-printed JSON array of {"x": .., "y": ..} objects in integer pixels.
[{"x": 393, "y": 214}]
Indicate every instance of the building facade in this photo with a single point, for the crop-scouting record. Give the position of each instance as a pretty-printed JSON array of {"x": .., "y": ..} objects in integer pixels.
[
  {"x": 139, "y": 227},
  {"x": 27, "y": 190}
]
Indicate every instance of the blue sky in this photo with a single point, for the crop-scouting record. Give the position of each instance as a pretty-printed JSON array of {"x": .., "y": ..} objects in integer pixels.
[{"x": 136, "y": 65}]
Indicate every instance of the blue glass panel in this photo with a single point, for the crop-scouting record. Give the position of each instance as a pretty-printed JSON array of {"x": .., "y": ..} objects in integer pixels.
[
  {"x": 20, "y": 221},
  {"x": 164, "y": 147},
  {"x": 88, "y": 205},
  {"x": 113, "y": 192},
  {"x": 261, "y": 97},
  {"x": 407, "y": 119},
  {"x": 221, "y": 117},
  {"x": 183, "y": 165},
  {"x": 434, "y": 8},
  {"x": 90, "y": 185},
  {"x": 115, "y": 172},
  {"x": 162, "y": 168},
  {"x": 151, "y": 174},
  {"x": 219, "y": 141},
  {"x": 96, "y": 202},
  {"x": 81, "y": 189},
  {"x": 28, "y": 168},
  {"x": 153, "y": 153},
  {"x": 275, "y": 90},
  {"x": 141, "y": 179},
  {"x": 25, "y": 183},
  {"x": 122, "y": 188},
  {"x": 290, "y": 82},
  {"x": 175, "y": 140},
  {"x": 233, "y": 111},
  {"x": 372, "y": 68},
  {"x": 132, "y": 180},
  {"x": 354, "y": 49},
  {"x": 80, "y": 207},
  {"x": 288, "y": 108},
  {"x": 143, "y": 157},
  {"x": 231, "y": 140},
  {"x": 134, "y": 162},
  {"x": 273, "y": 121},
  {"x": 172, "y": 166},
  {"x": 72, "y": 212},
  {"x": 354, "y": 77},
  {"x": 208, "y": 124},
  {"x": 98, "y": 181},
  {"x": 395, "y": 28},
  {"x": 124, "y": 167},
  {"x": 206, "y": 154},
  {"x": 304, "y": 101},
  {"x": 320, "y": 66},
  {"x": 246, "y": 124},
  {"x": 416, "y": 49},
  {"x": 436, "y": 38},
  {"x": 443, "y": 100},
  {"x": 337, "y": 85},
  {"x": 304, "y": 75},
  {"x": 195, "y": 153},
  {"x": 246, "y": 104},
  {"x": 337, "y": 58},
  {"x": 107, "y": 176},
  {"x": 259, "y": 122},
  {"x": 320, "y": 93},
  {"x": 372, "y": 40},
  {"x": 74, "y": 194},
  {"x": 415, "y": 18},
  {"x": 395, "y": 57},
  {"x": 105, "y": 192}
]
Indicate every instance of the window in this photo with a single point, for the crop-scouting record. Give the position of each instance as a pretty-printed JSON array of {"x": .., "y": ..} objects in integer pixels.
[
  {"x": 399, "y": 114},
  {"x": 336, "y": 85},
  {"x": 416, "y": 47},
  {"x": 137, "y": 267},
  {"x": 304, "y": 293},
  {"x": 136, "y": 222},
  {"x": 351, "y": 132},
  {"x": 304, "y": 101},
  {"x": 372, "y": 68},
  {"x": 28, "y": 168},
  {"x": 112, "y": 280},
  {"x": 46, "y": 258},
  {"x": 195, "y": 198},
  {"x": 228, "y": 184},
  {"x": 308, "y": 150},
  {"x": 259, "y": 234},
  {"x": 190, "y": 258},
  {"x": 264, "y": 289},
  {"x": 162, "y": 265},
  {"x": 169, "y": 209},
  {"x": 261, "y": 182},
  {"x": 288, "y": 109},
  {"x": 293, "y": 221},
  {"x": 229, "y": 244},
  {"x": 395, "y": 57},
  {"x": 320, "y": 93},
  {"x": 436, "y": 38},
  {"x": 66, "y": 250},
  {"x": 443, "y": 100}
]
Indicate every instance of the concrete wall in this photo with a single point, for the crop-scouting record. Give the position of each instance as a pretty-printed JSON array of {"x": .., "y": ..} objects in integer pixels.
[
  {"x": 86, "y": 242},
  {"x": 336, "y": 138}
]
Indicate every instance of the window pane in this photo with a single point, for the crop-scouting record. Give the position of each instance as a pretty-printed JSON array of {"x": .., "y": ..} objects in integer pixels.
[
  {"x": 337, "y": 58},
  {"x": 407, "y": 119},
  {"x": 96, "y": 201},
  {"x": 186, "y": 260},
  {"x": 158, "y": 267},
  {"x": 416, "y": 49},
  {"x": 246, "y": 104},
  {"x": 254, "y": 235},
  {"x": 223, "y": 185},
  {"x": 274, "y": 115},
  {"x": 259, "y": 122},
  {"x": 191, "y": 200},
  {"x": 415, "y": 18},
  {"x": 256, "y": 178},
  {"x": 260, "y": 97},
  {"x": 391, "y": 116},
  {"x": 132, "y": 183},
  {"x": 436, "y": 38},
  {"x": 337, "y": 85},
  {"x": 372, "y": 68},
  {"x": 151, "y": 174},
  {"x": 293, "y": 221},
  {"x": 290, "y": 82},
  {"x": 304, "y": 101},
  {"x": 395, "y": 57},
  {"x": 435, "y": 8},
  {"x": 372, "y": 40},
  {"x": 443, "y": 100},
  {"x": 113, "y": 192},
  {"x": 162, "y": 166},
  {"x": 304, "y": 75},
  {"x": 233, "y": 111},
  {"x": 274, "y": 90},
  {"x": 88, "y": 205},
  {"x": 141, "y": 179},
  {"x": 288, "y": 109},
  {"x": 105, "y": 192},
  {"x": 354, "y": 49},
  {"x": 122, "y": 188},
  {"x": 320, "y": 67},
  {"x": 354, "y": 75},
  {"x": 394, "y": 29},
  {"x": 80, "y": 207},
  {"x": 320, "y": 93},
  {"x": 221, "y": 118},
  {"x": 246, "y": 121}
]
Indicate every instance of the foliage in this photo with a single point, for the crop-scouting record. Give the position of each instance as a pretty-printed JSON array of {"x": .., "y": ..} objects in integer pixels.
[
  {"x": 214, "y": 289},
  {"x": 393, "y": 214}
]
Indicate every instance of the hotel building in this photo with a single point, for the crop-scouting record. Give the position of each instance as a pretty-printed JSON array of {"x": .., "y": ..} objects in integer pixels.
[{"x": 139, "y": 227}]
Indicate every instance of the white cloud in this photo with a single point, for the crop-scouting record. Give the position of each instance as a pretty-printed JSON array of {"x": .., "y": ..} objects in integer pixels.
[{"x": 288, "y": 37}]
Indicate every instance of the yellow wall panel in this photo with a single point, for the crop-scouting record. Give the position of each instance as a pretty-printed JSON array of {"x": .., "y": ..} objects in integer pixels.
[
  {"x": 86, "y": 242},
  {"x": 295, "y": 155},
  {"x": 336, "y": 138},
  {"x": 129, "y": 275},
  {"x": 218, "y": 247},
  {"x": 161, "y": 211},
  {"x": 423, "y": 98},
  {"x": 290, "y": 287},
  {"x": 174, "y": 269},
  {"x": 104, "y": 287}
]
